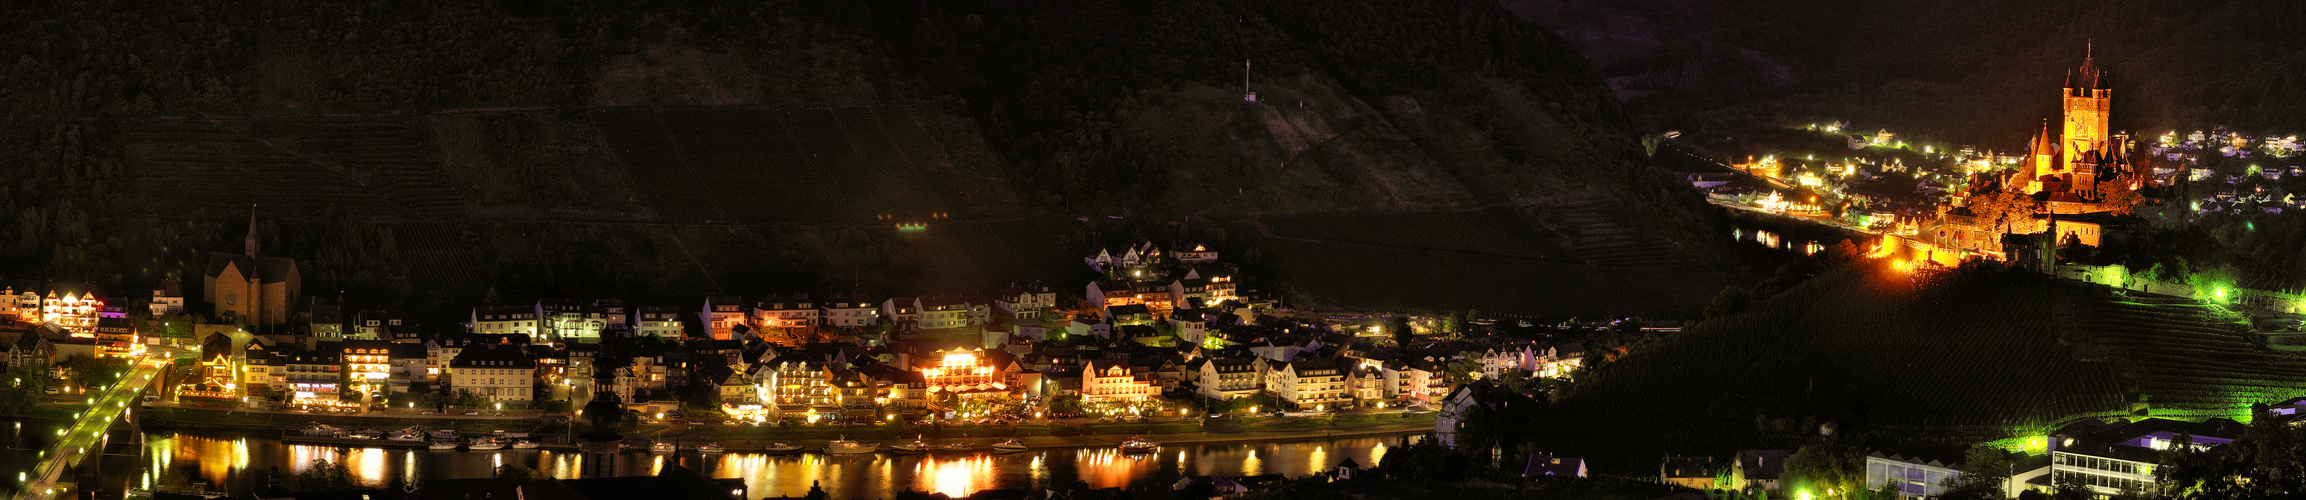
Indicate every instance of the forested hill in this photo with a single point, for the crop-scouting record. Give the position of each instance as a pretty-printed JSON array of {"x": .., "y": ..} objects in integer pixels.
[{"x": 431, "y": 152}]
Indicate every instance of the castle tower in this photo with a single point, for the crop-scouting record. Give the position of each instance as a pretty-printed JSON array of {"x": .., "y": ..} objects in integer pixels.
[{"x": 2087, "y": 104}]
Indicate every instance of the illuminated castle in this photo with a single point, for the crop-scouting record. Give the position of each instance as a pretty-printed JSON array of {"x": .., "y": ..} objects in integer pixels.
[{"x": 2069, "y": 167}]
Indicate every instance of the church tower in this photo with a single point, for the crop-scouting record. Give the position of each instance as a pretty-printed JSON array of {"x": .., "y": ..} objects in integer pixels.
[{"x": 250, "y": 243}]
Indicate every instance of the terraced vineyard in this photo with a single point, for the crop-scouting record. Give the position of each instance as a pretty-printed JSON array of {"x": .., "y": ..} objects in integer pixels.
[
  {"x": 2190, "y": 359},
  {"x": 197, "y": 164},
  {"x": 437, "y": 254},
  {"x": 815, "y": 165},
  {"x": 386, "y": 154},
  {"x": 1599, "y": 234}
]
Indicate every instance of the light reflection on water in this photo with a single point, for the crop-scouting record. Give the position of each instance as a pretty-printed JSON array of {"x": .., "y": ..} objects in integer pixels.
[{"x": 238, "y": 465}]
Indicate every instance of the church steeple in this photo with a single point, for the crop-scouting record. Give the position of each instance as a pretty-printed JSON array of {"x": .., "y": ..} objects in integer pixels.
[{"x": 251, "y": 242}]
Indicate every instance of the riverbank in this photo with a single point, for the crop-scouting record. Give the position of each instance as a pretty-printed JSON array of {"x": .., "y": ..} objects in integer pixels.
[{"x": 754, "y": 438}]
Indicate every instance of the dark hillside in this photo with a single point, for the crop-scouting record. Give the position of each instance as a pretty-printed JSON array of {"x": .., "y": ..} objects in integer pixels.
[
  {"x": 707, "y": 147},
  {"x": 1970, "y": 354}
]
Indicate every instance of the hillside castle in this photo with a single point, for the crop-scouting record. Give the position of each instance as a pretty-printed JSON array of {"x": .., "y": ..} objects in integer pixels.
[{"x": 2069, "y": 178}]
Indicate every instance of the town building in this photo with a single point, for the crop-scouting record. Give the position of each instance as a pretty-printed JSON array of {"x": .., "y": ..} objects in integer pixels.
[
  {"x": 367, "y": 366},
  {"x": 1307, "y": 383},
  {"x": 250, "y": 288},
  {"x": 1918, "y": 470},
  {"x": 849, "y": 311},
  {"x": 325, "y": 323},
  {"x": 314, "y": 377},
  {"x": 498, "y": 320},
  {"x": 72, "y": 307},
  {"x": 658, "y": 321},
  {"x": 1109, "y": 381},
  {"x": 1027, "y": 302},
  {"x": 500, "y": 372},
  {"x": 571, "y": 321},
  {"x": 780, "y": 316},
  {"x": 167, "y": 299},
  {"x": 1758, "y": 469},
  {"x": 721, "y": 315},
  {"x": 1231, "y": 378}
]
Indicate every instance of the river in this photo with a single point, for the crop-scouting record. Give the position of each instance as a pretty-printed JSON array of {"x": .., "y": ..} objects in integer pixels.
[{"x": 236, "y": 464}]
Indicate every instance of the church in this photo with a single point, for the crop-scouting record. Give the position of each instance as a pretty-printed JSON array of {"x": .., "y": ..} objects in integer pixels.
[{"x": 252, "y": 288}]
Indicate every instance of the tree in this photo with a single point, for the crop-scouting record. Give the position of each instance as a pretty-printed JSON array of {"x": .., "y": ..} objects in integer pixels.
[
  {"x": 322, "y": 476},
  {"x": 1984, "y": 469},
  {"x": 1732, "y": 300},
  {"x": 1398, "y": 327},
  {"x": 2118, "y": 195},
  {"x": 2003, "y": 208},
  {"x": 520, "y": 473},
  {"x": 1824, "y": 466}
]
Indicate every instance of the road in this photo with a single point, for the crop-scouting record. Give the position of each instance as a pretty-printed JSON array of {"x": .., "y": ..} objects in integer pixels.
[{"x": 88, "y": 432}]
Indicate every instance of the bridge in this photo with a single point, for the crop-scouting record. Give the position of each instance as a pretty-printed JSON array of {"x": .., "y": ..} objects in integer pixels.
[{"x": 88, "y": 432}]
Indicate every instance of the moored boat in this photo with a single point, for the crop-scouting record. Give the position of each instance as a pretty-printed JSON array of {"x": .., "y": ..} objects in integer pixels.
[
  {"x": 486, "y": 444},
  {"x": 1139, "y": 445},
  {"x": 1009, "y": 446},
  {"x": 709, "y": 448},
  {"x": 666, "y": 447},
  {"x": 443, "y": 445},
  {"x": 956, "y": 448},
  {"x": 915, "y": 446},
  {"x": 846, "y": 446},
  {"x": 783, "y": 449},
  {"x": 408, "y": 435},
  {"x": 524, "y": 444}
]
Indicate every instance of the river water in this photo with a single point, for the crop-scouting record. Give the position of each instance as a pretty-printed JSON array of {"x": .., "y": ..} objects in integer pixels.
[{"x": 237, "y": 464}]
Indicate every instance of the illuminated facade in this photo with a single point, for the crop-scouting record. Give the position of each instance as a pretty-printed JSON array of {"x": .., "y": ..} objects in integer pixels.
[
  {"x": 967, "y": 372},
  {"x": 1231, "y": 378},
  {"x": 500, "y": 372},
  {"x": 793, "y": 386},
  {"x": 505, "y": 320},
  {"x": 73, "y": 307},
  {"x": 1107, "y": 381},
  {"x": 722, "y": 315},
  {"x": 851, "y": 311},
  {"x": 795, "y": 315},
  {"x": 569, "y": 321},
  {"x": 1306, "y": 383}
]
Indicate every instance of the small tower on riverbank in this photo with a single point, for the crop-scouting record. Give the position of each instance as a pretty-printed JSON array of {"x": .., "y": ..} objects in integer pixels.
[{"x": 599, "y": 444}]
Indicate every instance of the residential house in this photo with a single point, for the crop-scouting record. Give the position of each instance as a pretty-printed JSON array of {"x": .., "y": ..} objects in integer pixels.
[
  {"x": 383, "y": 324},
  {"x": 1027, "y": 302},
  {"x": 1232, "y": 377},
  {"x": 325, "y": 322},
  {"x": 1155, "y": 296},
  {"x": 658, "y": 321},
  {"x": 115, "y": 336},
  {"x": 1307, "y": 383},
  {"x": 1131, "y": 314},
  {"x": 903, "y": 312},
  {"x": 167, "y": 299},
  {"x": 500, "y": 372},
  {"x": 20, "y": 301},
  {"x": 517, "y": 320},
  {"x": 2115, "y": 457},
  {"x": 409, "y": 366},
  {"x": 849, "y": 311},
  {"x": 571, "y": 321},
  {"x": 939, "y": 312},
  {"x": 1189, "y": 293},
  {"x": 1481, "y": 396},
  {"x": 1195, "y": 253},
  {"x": 1189, "y": 326},
  {"x": 794, "y": 385},
  {"x": 1687, "y": 472},
  {"x": 1109, "y": 293},
  {"x": 721, "y": 315},
  {"x": 1552, "y": 466},
  {"x": 786, "y": 316},
  {"x": 1083, "y": 325},
  {"x": 1757, "y": 469}
]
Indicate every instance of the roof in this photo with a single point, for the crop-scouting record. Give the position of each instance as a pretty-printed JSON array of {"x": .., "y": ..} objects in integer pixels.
[
  {"x": 1930, "y": 453},
  {"x": 266, "y": 269},
  {"x": 1762, "y": 464},
  {"x": 492, "y": 356}
]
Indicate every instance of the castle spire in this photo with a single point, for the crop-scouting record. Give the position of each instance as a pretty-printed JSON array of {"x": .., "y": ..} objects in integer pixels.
[{"x": 251, "y": 242}]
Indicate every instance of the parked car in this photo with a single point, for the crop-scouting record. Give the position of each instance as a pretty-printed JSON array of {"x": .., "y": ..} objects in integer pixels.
[
  {"x": 471, "y": 413},
  {"x": 429, "y": 412}
]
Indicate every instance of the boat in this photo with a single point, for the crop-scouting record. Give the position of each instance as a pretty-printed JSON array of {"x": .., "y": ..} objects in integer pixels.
[
  {"x": 845, "y": 446},
  {"x": 443, "y": 445},
  {"x": 709, "y": 448},
  {"x": 322, "y": 430},
  {"x": 956, "y": 448},
  {"x": 917, "y": 446},
  {"x": 444, "y": 435},
  {"x": 486, "y": 444},
  {"x": 408, "y": 435},
  {"x": 1139, "y": 445},
  {"x": 366, "y": 433},
  {"x": 524, "y": 444},
  {"x": 663, "y": 447},
  {"x": 1009, "y": 446},
  {"x": 783, "y": 449}
]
